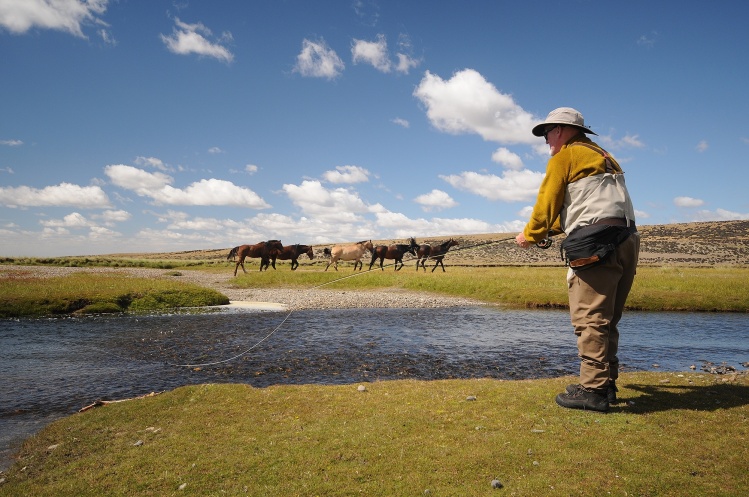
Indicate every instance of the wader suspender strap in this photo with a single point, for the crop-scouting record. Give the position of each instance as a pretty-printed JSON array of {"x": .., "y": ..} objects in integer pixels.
[{"x": 606, "y": 157}]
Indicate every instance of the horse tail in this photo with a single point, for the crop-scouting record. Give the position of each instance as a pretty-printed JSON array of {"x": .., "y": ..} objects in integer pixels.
[{"x": 232, "y": 253}]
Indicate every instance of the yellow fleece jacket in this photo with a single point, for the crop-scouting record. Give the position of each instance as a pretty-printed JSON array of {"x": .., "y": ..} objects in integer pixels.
[{"x": 570, "y": 164}]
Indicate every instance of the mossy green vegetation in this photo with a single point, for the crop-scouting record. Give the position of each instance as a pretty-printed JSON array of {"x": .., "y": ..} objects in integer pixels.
[
  {"x": 25, "y": 295},
  {"x": 675, "y": 433}
]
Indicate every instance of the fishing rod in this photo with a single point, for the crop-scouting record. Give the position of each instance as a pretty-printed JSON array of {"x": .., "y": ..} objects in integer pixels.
[{"x": 543, "y": 244}]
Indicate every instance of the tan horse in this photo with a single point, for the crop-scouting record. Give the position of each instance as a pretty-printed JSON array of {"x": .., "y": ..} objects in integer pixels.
[{"x": 352, "y": 252}]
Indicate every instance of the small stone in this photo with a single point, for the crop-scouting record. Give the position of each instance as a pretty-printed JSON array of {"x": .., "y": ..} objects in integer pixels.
[
  {"x": 656, "y": 365},
  {"x": 53, "y": 447},
  {"x": 471, "y": 397},
  {"x": 138, "y": 443},
  {"x": 497, "y": 484},
  {"x": 362, "y": 388},
  {"x": 182, "y": 487}
]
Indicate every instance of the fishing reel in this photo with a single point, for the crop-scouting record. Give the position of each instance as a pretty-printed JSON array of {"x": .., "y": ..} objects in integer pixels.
[{"x": 545, "y": 243}]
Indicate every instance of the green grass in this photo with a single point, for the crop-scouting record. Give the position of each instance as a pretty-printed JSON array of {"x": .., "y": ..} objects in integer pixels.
[
  {"x": 721, "y": 289},
  {"x": 679, "y": 434},
  {"x": 655, "y": 289},
  {"x": 24, "y": 295}
]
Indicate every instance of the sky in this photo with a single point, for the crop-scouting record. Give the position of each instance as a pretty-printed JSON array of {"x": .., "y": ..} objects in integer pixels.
[{"x": 162, "y": 126}]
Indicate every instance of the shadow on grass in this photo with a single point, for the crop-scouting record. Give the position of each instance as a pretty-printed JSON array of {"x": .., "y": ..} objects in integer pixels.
[{"x": 667, "y": 397}]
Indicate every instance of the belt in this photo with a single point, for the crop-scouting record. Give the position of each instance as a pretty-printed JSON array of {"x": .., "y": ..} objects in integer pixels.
[{"x": 616, "y": 221}]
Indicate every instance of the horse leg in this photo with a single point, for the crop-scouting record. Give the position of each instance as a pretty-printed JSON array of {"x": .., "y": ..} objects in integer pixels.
[
  {"x": 359, "y": 263},
  {"x": 371, "y": 263},
  {"x": 294, "y": 264}
]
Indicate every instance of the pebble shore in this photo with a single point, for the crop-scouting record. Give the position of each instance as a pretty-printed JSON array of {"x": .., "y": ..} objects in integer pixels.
[{"x": 315, "y": 298}]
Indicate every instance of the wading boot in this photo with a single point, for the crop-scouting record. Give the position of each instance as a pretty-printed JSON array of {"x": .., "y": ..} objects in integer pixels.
[
  {"x": 610, "y": 391},
  {"x": 582, "y": 398}
]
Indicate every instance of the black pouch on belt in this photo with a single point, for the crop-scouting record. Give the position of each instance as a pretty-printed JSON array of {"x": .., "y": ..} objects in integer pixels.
[{"x": 589, "y": 246}]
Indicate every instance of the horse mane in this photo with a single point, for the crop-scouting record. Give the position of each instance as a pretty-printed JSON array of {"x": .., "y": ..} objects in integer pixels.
[{"x": 232, "y": 253}]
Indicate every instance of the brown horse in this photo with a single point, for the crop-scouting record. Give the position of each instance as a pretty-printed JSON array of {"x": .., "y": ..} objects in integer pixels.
[
  {"x": 395, "y": 251},
  {"x": 261, "y": 250},
  {"x": 437, "y": 253},
  {"x": 352, "y": 252},
  {"x": 291, "y": 252}
]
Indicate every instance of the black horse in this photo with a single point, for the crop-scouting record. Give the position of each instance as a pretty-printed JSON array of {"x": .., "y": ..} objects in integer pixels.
[
  {"x": 261, "y": 250},
  {"x": 291, "y": 252},
  {"x": 437, "y": 253},
  {"x": 396, "y": 252}
]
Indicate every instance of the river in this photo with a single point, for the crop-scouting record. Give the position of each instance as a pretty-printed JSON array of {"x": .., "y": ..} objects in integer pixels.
[{"x": 50, "y": 368}]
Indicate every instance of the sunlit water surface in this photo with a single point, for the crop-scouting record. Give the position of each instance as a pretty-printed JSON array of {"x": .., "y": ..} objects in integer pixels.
[{"x": 50, "y": 368}]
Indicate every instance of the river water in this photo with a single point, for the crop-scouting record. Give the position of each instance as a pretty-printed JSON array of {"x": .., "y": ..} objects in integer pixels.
[{"x": 50, "y": 368}]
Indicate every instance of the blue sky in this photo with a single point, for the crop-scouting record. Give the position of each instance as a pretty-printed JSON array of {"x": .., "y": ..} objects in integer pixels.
[{"x": 132, "y": 126}]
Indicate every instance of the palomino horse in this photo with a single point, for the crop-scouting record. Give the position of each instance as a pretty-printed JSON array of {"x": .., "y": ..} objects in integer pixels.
[
  {"x": 437, "y": 253},
  {"x": 352, "y": 252},
  {"x": 395, "y": 251},
  {"x": 261, "y": 250},
  {"x": 291, "y": 252}
]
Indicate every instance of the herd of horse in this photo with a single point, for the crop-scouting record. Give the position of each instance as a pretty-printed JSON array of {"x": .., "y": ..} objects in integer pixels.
[{"x": 271, "y": 250}]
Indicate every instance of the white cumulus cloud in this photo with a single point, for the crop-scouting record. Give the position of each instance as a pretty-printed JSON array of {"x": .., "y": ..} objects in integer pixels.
[
  {"x": 347, "y": 174},
  {"x": 317, "y": 60},
  {"x": 436, "y": 200},
  {"x": 512, "y": 186},
  {"x": 19, "y": 16},
  {"x": 688, "y": 202},
  {"x": 62, "y": 195},
  {"x": 507, "y": 159},
  {"x": 157, "y": 186},
  {"x": 468, "y": 103},
  {"x": 374, "y": 53},
  {"x": 191, "y": 39}
]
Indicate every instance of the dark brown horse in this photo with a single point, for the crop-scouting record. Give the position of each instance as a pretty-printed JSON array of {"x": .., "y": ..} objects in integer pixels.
[
  {"x": 261, "y": 250},
  {"x": 436, "y": 253},
  {"x": 291, "y": 252},
  {"x": 395, "y": 252}
]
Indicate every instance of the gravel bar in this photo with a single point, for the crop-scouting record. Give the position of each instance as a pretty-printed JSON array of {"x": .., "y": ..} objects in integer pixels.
[{"x": 314, "y": 298}]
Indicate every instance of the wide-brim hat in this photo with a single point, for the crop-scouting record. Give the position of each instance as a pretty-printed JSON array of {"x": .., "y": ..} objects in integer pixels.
[{"x": 566, "y": 116}]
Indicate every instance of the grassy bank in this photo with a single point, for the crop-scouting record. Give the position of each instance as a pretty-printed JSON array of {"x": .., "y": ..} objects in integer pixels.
[
  {"x": 655, "y": 289},
  {"x": 674, "y": 434},
  {"x": 24, "y": 295},
  {"x": 719, "y": 289}
]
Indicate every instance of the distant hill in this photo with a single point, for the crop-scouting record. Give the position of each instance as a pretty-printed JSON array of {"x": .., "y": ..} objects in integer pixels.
[{"x": 683, "y": 244}]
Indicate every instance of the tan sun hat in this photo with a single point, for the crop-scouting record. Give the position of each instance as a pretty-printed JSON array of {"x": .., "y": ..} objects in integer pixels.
[{"x": 566, "y": 116}]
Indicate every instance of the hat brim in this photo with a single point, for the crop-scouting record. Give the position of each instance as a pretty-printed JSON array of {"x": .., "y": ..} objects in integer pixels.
[{"x": 538, "y": 130}]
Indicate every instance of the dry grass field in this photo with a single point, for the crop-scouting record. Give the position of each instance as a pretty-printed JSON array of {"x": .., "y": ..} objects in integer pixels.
[{"x": 685, "y": 244}]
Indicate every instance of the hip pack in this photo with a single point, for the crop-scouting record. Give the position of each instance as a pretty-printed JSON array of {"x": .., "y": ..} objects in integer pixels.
[{"x": 589, "y": 246}]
